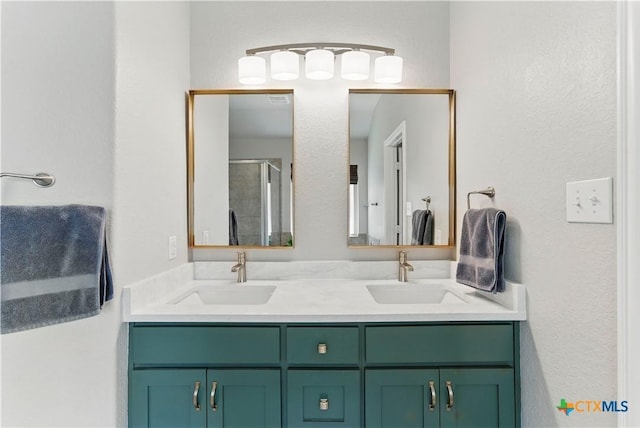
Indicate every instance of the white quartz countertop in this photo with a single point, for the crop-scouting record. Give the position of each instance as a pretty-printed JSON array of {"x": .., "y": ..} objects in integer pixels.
[{"x": 175, "y": 299}]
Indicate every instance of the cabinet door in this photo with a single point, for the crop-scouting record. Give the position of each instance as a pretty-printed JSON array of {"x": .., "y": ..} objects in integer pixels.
[
  {"x": 167, "y": 399},
  {"x": 243, "y": 398},
  {"x": 477, "y": 398},
  {"x": 401, "y": 398},
  {"x": 323, "y": 398}
]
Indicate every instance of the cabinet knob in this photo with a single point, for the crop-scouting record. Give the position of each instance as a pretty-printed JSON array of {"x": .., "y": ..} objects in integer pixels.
[
  {"x": 322, "y": 348},
  {"x": 324, "y": 404}
]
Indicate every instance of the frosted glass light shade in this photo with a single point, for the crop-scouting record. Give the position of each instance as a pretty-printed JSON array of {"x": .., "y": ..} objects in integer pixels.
[
  {"x": 285, "y": 65},
  {"x": 388, "y": 69},
  {"x": 319, "y": 64},
  {"x": 355, "y": 65},
  {"x": 252, "y": 70}
]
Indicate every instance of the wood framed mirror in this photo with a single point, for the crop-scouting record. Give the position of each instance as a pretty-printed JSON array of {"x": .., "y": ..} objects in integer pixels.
[{"x": 402, "y": 168}]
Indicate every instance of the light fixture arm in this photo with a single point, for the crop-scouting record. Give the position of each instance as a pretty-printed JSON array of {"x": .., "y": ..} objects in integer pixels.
[{"x": 336, "y": 48}]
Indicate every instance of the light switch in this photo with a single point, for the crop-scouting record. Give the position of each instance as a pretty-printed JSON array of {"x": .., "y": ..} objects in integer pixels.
[{"x": 590, "y": 201}]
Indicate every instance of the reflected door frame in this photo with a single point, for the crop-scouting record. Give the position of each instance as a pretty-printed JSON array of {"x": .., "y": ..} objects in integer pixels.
[{"x": 395, "y": 191}]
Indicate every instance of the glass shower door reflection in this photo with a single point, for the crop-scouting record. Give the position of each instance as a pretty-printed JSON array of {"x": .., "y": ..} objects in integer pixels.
[{"x": 255, "y": 202}]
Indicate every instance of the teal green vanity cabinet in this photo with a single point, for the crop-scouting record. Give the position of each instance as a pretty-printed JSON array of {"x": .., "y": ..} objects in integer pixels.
[
  {"x": 416, "y": 398},
  {"x": 172, "y": 398},
  {"x": 204, "y": 376},
  {"x": 405, "y": 398},
  {"x": 461, "y": 375},
  {"x": 167, "y": 398},
  {"x": 307, "y": 375},
  {"x": 323, "y": 398}
]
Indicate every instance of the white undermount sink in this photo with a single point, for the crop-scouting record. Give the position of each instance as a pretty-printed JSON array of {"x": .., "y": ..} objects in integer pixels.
[
  {"x": 227, "y": 295},
  {"x": 406, "y": 294}
]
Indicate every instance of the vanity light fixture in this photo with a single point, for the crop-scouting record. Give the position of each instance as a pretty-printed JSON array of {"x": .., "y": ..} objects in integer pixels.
[{"x": 319, "y": 61}]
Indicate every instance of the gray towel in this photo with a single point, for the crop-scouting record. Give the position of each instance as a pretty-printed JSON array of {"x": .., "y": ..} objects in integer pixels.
[
  {"x": 233, "y": 228},
  {"x": 418, "y": 225},
  {"x": 54, "y": 265},
  {"x": 482, "y": 249},
  {"x": 427, "y": 237}
]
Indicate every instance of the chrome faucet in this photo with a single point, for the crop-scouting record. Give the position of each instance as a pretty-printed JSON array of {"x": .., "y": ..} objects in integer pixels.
[
  {"x": 241, "y": 267},
  {"x": 404, "y": 267}
]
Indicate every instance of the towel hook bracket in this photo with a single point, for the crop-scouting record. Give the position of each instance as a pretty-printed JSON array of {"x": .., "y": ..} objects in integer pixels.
[
  {"x": 427, "y": 200},
  {"x": 489, "y": 192}
]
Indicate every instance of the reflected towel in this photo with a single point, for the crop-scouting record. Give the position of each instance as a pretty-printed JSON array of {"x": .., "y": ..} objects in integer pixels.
[
  {"x": 418, "y": 225},
  {"x": 233, "y": 228},
  {"x": 482, "y": 249},
  {"x": 427, "y": 237},
  {"x": 54, "y": 265}
]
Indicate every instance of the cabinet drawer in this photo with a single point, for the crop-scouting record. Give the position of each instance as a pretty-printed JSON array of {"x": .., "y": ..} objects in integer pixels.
[
  {"x": 204, "y": 345},
  {"x": 323, "y": 398},
  {"x": 440, "y": 344},
  {"x": 322, "y": 345}
]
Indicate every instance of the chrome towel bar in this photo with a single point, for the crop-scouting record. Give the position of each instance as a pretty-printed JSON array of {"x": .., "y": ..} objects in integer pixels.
[
  {"x": 41, "y": 179},
  {"x": 489, "y": 191}
]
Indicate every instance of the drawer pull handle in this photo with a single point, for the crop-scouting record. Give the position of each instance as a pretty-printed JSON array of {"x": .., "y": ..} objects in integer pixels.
[
  {"x": 432, "y": 390},
  {"x": 324, "y": 404},
  {"x": 450, "y": 392},
  {"x": 196, "y": 390},
  {"x": 322, "y": 348},
  {"x": 214, "y": 386}
]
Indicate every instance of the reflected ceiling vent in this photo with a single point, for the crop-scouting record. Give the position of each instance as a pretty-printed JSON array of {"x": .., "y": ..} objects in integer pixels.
[{"x": 278, "y": 99}]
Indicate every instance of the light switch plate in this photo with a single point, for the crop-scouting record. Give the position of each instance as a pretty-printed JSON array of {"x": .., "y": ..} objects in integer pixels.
[{"x": 590, "y": 201}]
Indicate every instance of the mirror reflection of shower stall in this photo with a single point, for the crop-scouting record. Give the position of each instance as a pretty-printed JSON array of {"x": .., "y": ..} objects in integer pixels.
[{"x": 255, "y": 202}]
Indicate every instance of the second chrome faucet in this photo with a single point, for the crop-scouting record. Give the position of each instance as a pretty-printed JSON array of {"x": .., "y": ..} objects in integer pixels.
[
  {"x": 403, "y": 267},
  {"x": 241, "y": 267}
]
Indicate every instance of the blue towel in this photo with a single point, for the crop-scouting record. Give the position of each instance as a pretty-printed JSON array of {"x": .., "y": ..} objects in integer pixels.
[
  {"x": 482, "y": 249},
  {"x": 54, "y": 265}
]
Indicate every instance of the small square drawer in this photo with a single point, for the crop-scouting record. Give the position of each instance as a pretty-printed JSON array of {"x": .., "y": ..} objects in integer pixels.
[
  {"x": 326, "y": 398},
  {"x": 440, "y": 344},
  {"x": 322, "y": 345},
  {"x": 155, "y": 346}
]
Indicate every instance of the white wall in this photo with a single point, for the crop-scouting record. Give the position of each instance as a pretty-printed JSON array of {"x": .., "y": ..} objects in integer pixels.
[
  {"x": 211, "y": 175},
  {"x": 152, "y": 44},
  {"x": 58, "y": 91},
  {"x": 536, "y": 105},
  {"x": 94, "y": 93},
  {"x": 222, "y": 31}
]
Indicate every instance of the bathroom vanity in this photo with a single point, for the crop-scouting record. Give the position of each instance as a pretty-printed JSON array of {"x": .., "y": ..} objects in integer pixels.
[
  {"x": 322, "y": 353},
  {"x": 316, "y": 375}
]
